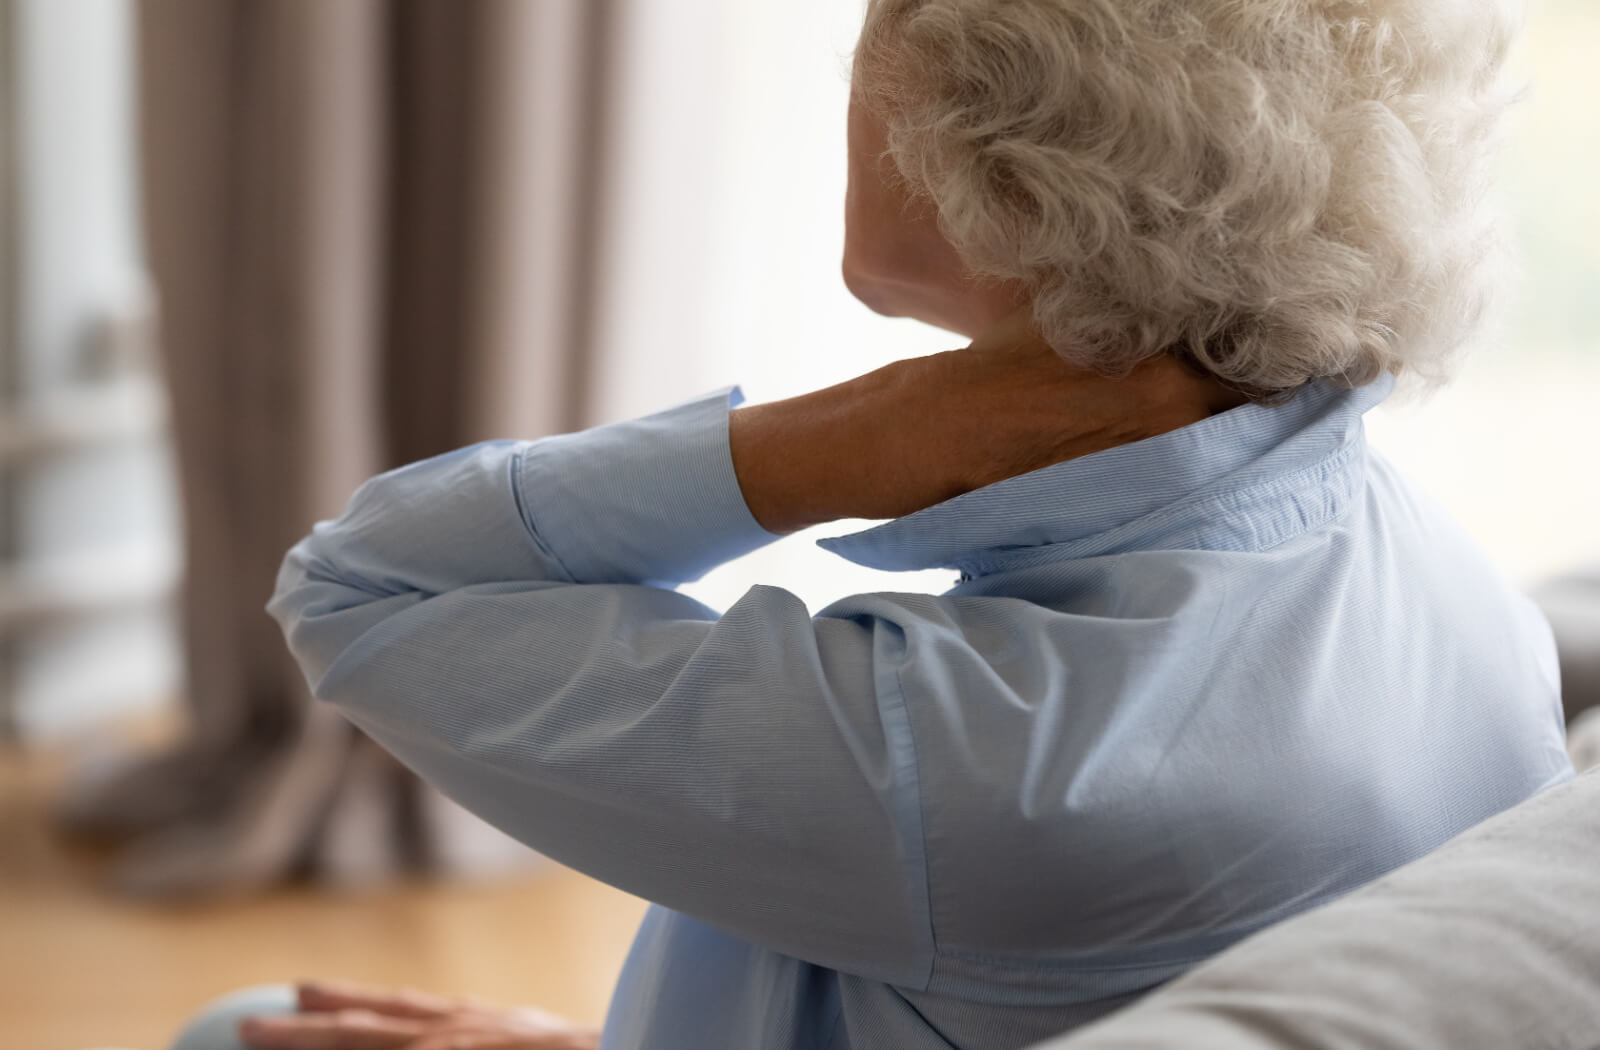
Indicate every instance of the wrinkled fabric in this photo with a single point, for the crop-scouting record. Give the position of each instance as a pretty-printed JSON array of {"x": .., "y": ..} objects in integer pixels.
[
  {"x": 1487, "y": 944},
  {"x": 1186, "y": 688}
]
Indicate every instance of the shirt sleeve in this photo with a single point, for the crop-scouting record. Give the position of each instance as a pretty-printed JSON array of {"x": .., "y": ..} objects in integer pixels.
[{"x": 500, "y": 619}]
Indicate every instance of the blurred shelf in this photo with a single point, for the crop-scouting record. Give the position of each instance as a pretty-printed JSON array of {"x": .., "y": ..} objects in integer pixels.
[
  {"x": 51, "y": 590},
  {"x": 133, "y": 407}
]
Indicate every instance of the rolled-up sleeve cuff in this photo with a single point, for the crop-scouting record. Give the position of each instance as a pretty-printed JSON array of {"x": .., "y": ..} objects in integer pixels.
[{"x": 653, "y": 500}]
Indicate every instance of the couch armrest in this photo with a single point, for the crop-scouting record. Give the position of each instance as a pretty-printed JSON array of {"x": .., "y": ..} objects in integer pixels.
[{"x": 1572, "y": 604}]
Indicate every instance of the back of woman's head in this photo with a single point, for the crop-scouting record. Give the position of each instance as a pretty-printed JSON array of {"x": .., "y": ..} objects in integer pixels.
[{"x": 1280, "y": 189}]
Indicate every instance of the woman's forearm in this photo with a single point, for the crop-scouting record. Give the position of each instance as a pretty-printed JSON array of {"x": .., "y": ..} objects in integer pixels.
[
  {"x": 920, "y": 431},
  {"x": 855, "y": 450}
]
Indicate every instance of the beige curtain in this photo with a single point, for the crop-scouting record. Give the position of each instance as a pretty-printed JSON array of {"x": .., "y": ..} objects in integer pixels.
[{"x": 371, "y": 227}]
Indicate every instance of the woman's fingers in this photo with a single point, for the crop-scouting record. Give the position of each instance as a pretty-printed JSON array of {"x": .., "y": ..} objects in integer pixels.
[
  {"x": 463, "y": 1041},
  {"x": 340, "y": 1030},
  {"x": 327, "y": 996},
  {"x": 474, "y": 1039},
  {"x": 521, "y": 1029},
  {"x": 337, "y": 1015}
]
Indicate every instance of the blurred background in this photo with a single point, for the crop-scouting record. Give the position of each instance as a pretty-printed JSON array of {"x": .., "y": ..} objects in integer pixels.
[{"x": 252, "y": 251}]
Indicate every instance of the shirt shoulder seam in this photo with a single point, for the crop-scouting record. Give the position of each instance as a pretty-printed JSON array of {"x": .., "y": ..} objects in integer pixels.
[{"x": 917, "y": 837}]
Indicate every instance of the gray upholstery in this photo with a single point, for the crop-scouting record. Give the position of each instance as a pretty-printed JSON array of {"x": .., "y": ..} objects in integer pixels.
[
  {"x": 1572, "y": 604},
  {"x": 1490, "y": 943}
]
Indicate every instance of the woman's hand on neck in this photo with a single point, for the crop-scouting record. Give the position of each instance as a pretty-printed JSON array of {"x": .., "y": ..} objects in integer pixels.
[{"x": 924, "y": 430}]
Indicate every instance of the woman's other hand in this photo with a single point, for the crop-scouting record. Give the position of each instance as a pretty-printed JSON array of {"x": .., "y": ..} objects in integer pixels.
[{"x": 338, "y": 1016}]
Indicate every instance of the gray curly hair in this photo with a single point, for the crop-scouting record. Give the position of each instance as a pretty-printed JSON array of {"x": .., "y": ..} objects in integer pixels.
[{"x": 1281, "y": 190}]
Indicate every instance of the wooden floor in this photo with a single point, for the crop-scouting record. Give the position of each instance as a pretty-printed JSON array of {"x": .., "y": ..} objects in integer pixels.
[{"x": 79, "y": 969}]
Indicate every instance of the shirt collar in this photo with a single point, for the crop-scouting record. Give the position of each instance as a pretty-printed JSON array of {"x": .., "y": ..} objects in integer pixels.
[{"x": 1233, "y": 452}]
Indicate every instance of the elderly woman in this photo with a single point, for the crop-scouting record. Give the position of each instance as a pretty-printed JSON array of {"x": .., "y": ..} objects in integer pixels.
[{"x": 1210, "y": 661}]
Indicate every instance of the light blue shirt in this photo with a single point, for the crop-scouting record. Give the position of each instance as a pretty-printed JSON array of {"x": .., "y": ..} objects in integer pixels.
[{"x": 1185, "y": 688}]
